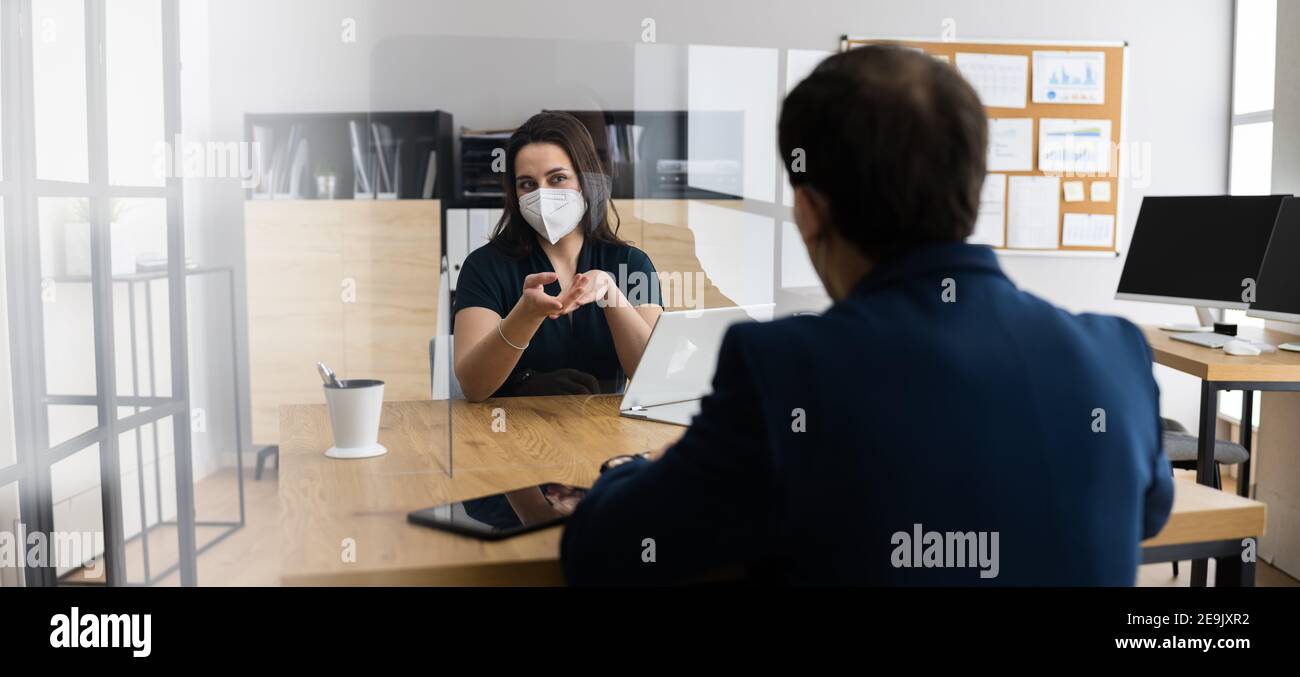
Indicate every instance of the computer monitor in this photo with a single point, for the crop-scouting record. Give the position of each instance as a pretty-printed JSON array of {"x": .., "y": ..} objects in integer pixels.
[
  {"x": 1277, "y": 294},
  {"x": 1198, "y": 251}
]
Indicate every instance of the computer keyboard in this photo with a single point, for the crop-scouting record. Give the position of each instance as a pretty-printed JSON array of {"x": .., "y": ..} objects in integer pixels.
[{"x": 1206, "y": 339}]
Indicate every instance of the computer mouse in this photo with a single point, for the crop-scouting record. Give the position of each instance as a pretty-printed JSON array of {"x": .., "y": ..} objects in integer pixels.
[{"x": 1239, "y": 347}]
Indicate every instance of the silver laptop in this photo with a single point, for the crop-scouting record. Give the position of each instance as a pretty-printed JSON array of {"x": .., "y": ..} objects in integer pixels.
[{"x": 676, "y": 369}]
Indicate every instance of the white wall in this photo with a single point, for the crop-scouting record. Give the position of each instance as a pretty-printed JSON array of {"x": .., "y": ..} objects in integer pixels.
[{"x": 492, "y": 64}]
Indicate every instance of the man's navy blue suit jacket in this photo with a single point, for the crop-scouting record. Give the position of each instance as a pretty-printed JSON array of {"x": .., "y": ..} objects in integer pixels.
[{"x": 937, "y": 398}]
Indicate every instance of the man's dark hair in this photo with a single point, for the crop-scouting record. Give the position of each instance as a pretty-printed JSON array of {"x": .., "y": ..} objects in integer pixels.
[{"x": 895, "y": 141}]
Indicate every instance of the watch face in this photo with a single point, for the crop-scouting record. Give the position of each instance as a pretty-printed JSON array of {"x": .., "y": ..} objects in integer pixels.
[{"x": 614, "y": 462}]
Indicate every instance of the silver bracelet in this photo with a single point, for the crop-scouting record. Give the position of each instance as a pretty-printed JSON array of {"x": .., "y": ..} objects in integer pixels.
[{"x": 502, "y": 334}]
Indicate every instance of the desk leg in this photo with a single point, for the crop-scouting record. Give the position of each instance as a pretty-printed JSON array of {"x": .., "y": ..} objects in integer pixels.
[
  {"x": 1231, "y": 572},
  {"x": 1205, "y": 463},
  {"x": 1247, "y": 420},
  {"x": 1205, "y": 434},
  {"x": 1200, "y": 573}
]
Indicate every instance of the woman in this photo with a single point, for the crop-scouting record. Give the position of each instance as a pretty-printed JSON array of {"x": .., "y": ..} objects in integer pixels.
[{"x": 555, "y": 303}]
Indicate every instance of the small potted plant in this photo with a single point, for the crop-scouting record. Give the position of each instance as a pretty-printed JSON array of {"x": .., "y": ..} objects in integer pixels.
[{"x": 76, "y": 240}]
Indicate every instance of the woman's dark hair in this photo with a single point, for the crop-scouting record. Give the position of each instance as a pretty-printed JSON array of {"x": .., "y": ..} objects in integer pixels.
[
  {"x": 512, "y": 234},
  {"x": 895, "y": 141}
]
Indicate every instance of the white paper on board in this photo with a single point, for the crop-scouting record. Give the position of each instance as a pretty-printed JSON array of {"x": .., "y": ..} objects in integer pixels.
[
  {"x": 1001, "y": 80},
  {"x": 991, "y": 221},
  {"x": 1033, "y": 212},
  {"x": 1074, "y": 147},
  {"x": 1070, "y": 77},
  {"x": 1088, "y": 230},
  {"x": 1011, "y": 145}
]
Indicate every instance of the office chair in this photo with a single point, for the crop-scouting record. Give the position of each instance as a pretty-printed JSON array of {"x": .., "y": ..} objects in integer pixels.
[
  {"x": 1180, "y": 447},
  {"x": 272, "y": 451}
]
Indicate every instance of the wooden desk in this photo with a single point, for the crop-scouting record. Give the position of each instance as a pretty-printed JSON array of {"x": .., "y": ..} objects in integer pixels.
[
  {"x": 1215, "y": 365},
  {"x": 1220, "y": 371},
  {"x": 325, "y": 501}
]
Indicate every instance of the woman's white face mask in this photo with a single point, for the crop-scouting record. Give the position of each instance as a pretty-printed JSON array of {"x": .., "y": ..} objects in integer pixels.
[{"x": 553, "y": 212}]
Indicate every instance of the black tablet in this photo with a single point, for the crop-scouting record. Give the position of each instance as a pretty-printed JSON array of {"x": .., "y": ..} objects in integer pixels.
[{"x": 506, "y": 514}]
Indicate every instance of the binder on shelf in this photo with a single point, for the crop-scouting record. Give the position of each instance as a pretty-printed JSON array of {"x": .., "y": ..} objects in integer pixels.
[
  {"x": 299, "y": 171},
  {"x": 388, "y": 157},
  {"x": 263, "y": 152},
  {"x": 478, "y": 151},
  {"x": 651, "y": 154},
  {"x": 285, "y": 162},
  {"x": 394, "y": 173},
  {"x": 380, "y": 133},
  {"x": 430, "y": 175},
  {"x": 351, "y": 155},
  {"x": 360, "y": 159}
]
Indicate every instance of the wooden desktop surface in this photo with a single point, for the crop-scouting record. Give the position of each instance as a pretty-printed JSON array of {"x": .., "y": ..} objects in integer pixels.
[
  {"x": 1204, "y": 514},
  {"x": 1215, "y": 365},
  {"x": 344, "y": 522},
  {"x": 325, "y": 501}
]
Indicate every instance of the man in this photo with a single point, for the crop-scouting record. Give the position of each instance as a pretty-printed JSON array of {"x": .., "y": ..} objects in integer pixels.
[{"x": 936, "y": 426}]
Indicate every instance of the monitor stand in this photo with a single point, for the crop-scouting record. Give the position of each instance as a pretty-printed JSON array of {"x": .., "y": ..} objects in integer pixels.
[
  {"x": 1206, "y": 317},
  {"x": 1213, "y": 317}
]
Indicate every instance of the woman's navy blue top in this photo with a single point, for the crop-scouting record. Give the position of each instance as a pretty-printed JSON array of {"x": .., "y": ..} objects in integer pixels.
[{"x": 492, "y": 279}]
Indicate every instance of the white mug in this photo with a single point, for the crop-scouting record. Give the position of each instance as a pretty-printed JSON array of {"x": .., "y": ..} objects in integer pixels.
[{"x": 355, "y": 407}]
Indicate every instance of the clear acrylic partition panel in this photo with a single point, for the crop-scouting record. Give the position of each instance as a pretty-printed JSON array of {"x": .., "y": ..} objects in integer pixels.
[
  {"x": 343, "y": 238},
  {"x": 685, "y": 135},
  {"x": 685, "y": 138}
]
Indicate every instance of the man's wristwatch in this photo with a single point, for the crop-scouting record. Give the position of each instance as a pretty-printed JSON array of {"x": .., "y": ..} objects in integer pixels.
[{"x": 620, "y": 460}]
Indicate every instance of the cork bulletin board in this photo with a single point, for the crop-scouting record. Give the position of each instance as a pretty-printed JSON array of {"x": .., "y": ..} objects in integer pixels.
[{"x": 1110, "y": 110}]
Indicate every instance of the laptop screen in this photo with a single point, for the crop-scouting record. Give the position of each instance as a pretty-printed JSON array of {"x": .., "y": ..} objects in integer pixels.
[{"x": 682, "y": 354}]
